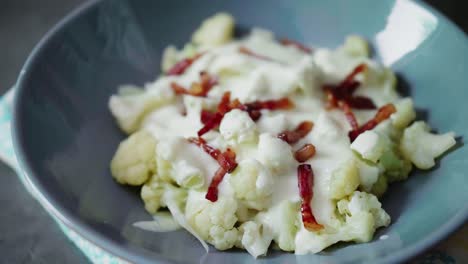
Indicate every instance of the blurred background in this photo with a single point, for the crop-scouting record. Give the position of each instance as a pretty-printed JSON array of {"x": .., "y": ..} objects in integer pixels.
[{"x": 27, "y": 233}]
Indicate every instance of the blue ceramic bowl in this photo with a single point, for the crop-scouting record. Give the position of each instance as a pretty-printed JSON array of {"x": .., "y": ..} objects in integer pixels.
[{"x": 65, "y": 135}]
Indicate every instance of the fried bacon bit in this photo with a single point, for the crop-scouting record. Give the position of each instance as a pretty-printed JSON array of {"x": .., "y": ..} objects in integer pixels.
[
  {"x": 344, "y": 92},
  {"x": 382, "y": 114},
  {"x": 212, "y": 193},
  {"x": 227, "y": 159},
  {"x": 249, "y": 52},
  {"x": 197, "y": 89},
  {"x": 305, "y": 153},
  {"x": 294, "y": 136},
  {"x": 349, "y": 115},
  {"x": 212, "y": 120},
  {"x": 305, "y": 182},
  {"x": 288, "y": 42},
  {"x": 182, "y": 65},
  {"x": 283, "y": 103}
]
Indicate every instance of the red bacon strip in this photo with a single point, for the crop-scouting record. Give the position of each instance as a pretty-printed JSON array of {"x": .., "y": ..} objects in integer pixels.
[
  {"x": 249, "y": 52},
  {"x": 294, "y": 136},
  {"x": 212, "y": 120},
  {"x": 197, "y": 89},
  {"x": 180, "y": 67},
  {"x": 382, "y": 114},
  {"x": 227, "y": 159},
  {"x": 289, "y": 42},
  {"x": 305, "y": 153},
  {"x": 344, "y": 92},
  {"x": 212, "y": 193},
  {"x": 305, "y": 180},
  {"x": 349, "y": 115}
]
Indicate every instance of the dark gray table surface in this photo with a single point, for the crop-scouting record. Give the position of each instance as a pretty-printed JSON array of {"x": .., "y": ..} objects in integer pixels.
[{"x": 27, "y": 233}]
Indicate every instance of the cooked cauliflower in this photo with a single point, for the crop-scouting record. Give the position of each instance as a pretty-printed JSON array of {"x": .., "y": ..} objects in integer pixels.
[
  {"x": 187, "y": 175},
  {"x": 154, "y": 194},
  {"x": 130, "y": 109},
  {"x": 214, "y": 222},
  {"x": 370, "y": 145},
  {"x": 237, "y": 127},
  {"x": 344, "y": 180},
  {"x": 364, "y": 202},
  {"x": 422, "y": 147},
  {"x": 274, "y": 153},
  {"x": 363, "y": 215},
  {"x": 405, "y": 113},
  {"x": 255, "y": 238},
  {"x": 215, "y": 30},
  {"x": 252, "y": 184},
  {"x": 356, "y": 46},
  {"x": 151, "y": 194},
  {"x": 368, "y": 174},
  {"x": 134, "y": 160},
  {"x": 283, "y": 220},
  {"x": 380, "y": 186}
]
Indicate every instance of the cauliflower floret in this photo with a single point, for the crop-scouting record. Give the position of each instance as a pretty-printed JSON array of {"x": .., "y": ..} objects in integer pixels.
[
  {"x": 252, "y": 184},
  {"x": 255, "y": 238},
  {"x": 364, "y": 202},
  {"x": 134, "y": 160},
  {"x": 283, "y": 220},
  {"x": 356, "y": 46},
  {"x": 186, "y": 175},
  {"x": 275, "y": 154},
  {"x": 396, "y": 168},
  {"x": 130, "y": 109},
  {"x": 344, "y": 180},
  {"x": 368, "y": 174},
  {"x": 170, "y": 57},
  {"x": 214, "y": 222},
  {"x": 422, "y": 147},
  {"x": 405, "y": 113},
  {"x": 273, "y": 123},
  {"x": 151, "y": 194},
  {"x": 370, "y": 145},
  {"x": 215, "y": 31},
  {"x": 183, "y": 163},
  {"x": 363, "y": 214},
  {"x": 380, "y": 186},
  {"x": 237, "y": 127}
]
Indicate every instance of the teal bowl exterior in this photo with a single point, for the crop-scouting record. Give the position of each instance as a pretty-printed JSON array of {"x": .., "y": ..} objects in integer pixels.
[{"x": 65, "y": 136}]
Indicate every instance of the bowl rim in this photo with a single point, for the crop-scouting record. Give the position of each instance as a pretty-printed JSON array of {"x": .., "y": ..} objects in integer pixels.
[{"x": 86, "y": 232}]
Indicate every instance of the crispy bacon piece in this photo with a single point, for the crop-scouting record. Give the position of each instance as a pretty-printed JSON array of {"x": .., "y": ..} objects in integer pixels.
[
  {"x": 212, "y": 120},
  {"x": 305, "y": 180},
  {"x": 350, "y": 78},
  {"x": 349, "y": 115},
  {"x": 227, "y": 159},
  {"x": 344, "y": 92},
  {"x": 197, "y": 89},
  {"x": 249, "y": 52},
  {"x": 382, "y": 114},
  {"x": 289, "y": 42},
  {"x": 306, "y": 152},
  {"x": 283, "y": 103},
  {"x": 360, "y": 102},
  {"x": 294, "y": 136},
  {"x": 212, "y": 193},
  {"x": 182, "y": 65}
]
